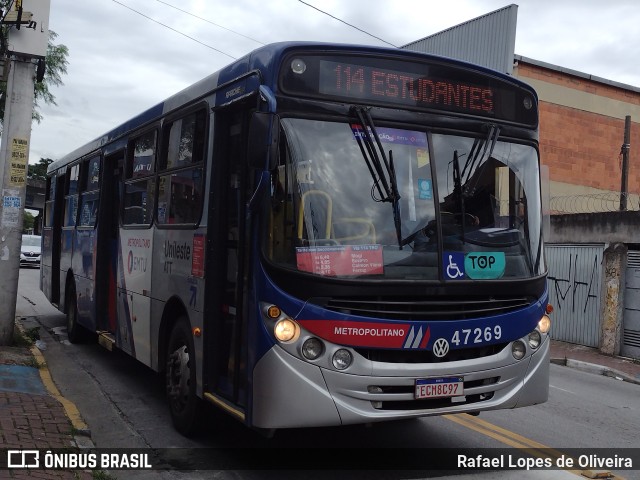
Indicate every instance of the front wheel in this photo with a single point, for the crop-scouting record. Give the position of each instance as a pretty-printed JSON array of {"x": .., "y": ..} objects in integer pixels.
[{"x": 184, "y": 404}]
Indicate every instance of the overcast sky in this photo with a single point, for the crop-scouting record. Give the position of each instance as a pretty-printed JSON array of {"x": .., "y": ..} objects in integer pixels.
[{"x": 121, "y": 63}]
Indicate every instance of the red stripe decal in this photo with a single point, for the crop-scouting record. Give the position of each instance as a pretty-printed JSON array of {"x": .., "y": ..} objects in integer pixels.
[
  {"x": 358, "y": 334},
  {"x": 425, "y": 339}
]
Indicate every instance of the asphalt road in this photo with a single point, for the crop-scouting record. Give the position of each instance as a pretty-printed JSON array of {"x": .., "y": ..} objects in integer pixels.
[{"x": 123, "y": 403}]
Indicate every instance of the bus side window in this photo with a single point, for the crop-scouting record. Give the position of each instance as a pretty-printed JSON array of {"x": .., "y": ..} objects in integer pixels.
[
  {"x": 139, "y": 189},
  {"x": 71, "y": 197},
  {"x": 180, "y": 188},
  {"x": 89, "y": 193}
]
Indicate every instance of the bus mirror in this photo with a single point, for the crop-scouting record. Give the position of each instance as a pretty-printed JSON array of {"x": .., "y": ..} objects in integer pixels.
[{"x": 263, "y": 141}]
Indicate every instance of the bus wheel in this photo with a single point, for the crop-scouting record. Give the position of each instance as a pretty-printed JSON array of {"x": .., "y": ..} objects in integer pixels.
[
  {"x": 184, "y": 403},
  {"x": 75, "y": 332}
]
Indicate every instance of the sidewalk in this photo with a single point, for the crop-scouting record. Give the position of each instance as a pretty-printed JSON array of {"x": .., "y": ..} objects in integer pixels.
[
  {"x": 33, "y": 414},
  {"x": 591, "y": 360}
]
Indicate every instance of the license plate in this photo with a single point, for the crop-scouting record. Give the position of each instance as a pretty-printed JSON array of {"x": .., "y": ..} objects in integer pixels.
[{"x": 439, "y": 387}]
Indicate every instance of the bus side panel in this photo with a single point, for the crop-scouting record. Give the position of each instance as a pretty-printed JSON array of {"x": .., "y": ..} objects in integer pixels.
[
  {"x": 134, "y": 286},
  {"x": 178, "y": 276}
]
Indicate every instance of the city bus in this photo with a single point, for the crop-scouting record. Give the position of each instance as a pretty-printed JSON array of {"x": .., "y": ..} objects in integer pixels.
[{"x": 314, "y": 235}]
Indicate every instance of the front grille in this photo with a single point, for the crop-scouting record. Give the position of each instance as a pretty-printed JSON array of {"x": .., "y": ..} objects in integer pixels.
[
  {"x": 433, "y": 403},
  {"x": 421, "y": 308},
  {"x": 427, "y": 356}
]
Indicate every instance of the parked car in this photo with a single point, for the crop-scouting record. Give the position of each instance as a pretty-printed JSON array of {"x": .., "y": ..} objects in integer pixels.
[{"x": 30, "y": 251}]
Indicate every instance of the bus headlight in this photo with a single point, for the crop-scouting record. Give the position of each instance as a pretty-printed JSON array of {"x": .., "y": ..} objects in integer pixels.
[
  {"x": 518, "y": 350},
  {"x": 312, "y": 348},
  {"x": 342, "y": 359},
  {"x": 535, "y": 339},
  {"x": 285, "y": 330},
  {"x": 544, "y": 325}
]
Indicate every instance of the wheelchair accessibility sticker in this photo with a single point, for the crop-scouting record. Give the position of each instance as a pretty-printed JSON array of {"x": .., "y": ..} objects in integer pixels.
[{"x": 473, "y": 265}]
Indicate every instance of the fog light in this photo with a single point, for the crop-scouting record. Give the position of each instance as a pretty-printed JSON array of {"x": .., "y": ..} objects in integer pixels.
[
  {"x": 377, "y": 404},
  {"x": 535, "y": 339},
  {"x": 544, "y": 325},
  {"x": 518, "y": 350},
  {"x": 312, "y": 348},
  {"x": 342, "y": 359},
  {"x": 285, "y": 330}
]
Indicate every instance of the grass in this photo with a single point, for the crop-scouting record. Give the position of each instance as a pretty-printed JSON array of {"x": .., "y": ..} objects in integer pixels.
[
  {"x": 32, "y": 362},
  {"x": 25, "y": 338}
]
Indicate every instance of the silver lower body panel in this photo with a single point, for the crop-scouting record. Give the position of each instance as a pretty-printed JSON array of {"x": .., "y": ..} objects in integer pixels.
[{"x": 290, "y": 393}]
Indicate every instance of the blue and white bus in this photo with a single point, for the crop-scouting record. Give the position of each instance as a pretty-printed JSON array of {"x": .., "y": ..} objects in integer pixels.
[{"x": 315, "y": 235}]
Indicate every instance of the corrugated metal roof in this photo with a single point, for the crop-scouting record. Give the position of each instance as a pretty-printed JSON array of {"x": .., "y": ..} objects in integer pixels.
[{"x": 488, "y": 40}]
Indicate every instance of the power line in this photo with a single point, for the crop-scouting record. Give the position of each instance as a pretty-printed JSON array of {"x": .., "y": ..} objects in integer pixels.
[
  {"x": 173, "y": 29},
  {"x": 209, "y": 21},
  {"x": 346, "y": 23}
]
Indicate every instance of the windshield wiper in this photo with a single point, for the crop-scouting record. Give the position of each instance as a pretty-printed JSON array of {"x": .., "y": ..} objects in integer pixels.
[
  {"x": 382, "y": 170},
  {"x": 481, "y": 150},
  {"x": 476, "y": 158},
  {"x": 457, "y": 190}
]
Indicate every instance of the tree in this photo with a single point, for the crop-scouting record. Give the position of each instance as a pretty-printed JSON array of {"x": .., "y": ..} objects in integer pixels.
[
  {"x": 38, "y": 171},
  {"x": 29, "y": 222},
  {"x": 55, "y": 66}
]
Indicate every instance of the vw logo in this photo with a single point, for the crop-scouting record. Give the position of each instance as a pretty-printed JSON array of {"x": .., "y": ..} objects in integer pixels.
[{"x": 440, "y": 348}]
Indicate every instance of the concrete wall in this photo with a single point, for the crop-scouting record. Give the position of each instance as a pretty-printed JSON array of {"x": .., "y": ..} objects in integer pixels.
[
  {"x": 610, "y": 227},
  {"x": 617, "y": 230}
]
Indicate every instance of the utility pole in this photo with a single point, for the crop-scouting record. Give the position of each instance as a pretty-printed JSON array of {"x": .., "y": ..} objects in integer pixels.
[
  {"x": 625, "y": 163},
  {"x": 28, "y": 39}
]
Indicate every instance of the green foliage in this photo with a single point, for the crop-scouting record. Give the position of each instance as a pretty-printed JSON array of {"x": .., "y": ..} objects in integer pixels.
[
  {"x": 38, "y": 170},
  {"x": 28, "y": 222},
  {"x": 25, "y": 338},
  {"x": 55, "y": 67},
  {"x": 32, "y": 334}
]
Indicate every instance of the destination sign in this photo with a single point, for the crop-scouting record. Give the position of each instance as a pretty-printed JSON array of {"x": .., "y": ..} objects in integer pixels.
[
  {"x": 424, "y": 85},
  {"x": 346, "y": 79}
]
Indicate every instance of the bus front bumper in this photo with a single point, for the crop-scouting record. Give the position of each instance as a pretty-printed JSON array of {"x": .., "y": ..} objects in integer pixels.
[{"x": 291, "y": 393}]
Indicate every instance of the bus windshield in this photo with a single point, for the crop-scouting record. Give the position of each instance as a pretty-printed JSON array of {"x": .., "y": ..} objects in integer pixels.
[{"x": 470, "y": 212}]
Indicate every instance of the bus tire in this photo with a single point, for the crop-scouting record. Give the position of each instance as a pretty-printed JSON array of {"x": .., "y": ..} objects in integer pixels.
[
  {"x": 75, "y": 332},
  {"x": 184, "y": 404}
]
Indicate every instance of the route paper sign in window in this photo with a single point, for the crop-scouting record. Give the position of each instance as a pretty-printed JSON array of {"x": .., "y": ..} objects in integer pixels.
[{"x": 338, "y": 260}]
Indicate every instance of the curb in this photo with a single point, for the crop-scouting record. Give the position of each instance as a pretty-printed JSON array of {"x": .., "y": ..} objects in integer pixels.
[
  {"x": 82, "y": 432},
  {"x": 596, "y": 369}
]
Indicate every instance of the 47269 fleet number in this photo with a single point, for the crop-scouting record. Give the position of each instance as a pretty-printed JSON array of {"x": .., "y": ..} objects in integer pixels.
[{"x": 472, "y": 336}]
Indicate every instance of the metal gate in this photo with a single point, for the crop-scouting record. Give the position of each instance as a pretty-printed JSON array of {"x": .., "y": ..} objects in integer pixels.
[
  {"x": 630, "y": 346},
  {"x": 575, "y": 278}
]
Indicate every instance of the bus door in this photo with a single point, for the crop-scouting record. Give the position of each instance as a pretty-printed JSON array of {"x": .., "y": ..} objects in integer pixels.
[
  {"x": 54, "y": 241},
  {"x": 227, "y": 262},
  {"x": 108, "y": 245}
]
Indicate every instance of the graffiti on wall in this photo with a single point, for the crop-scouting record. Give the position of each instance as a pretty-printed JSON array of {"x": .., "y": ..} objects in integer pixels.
[{"x": 565, "y": 288}]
